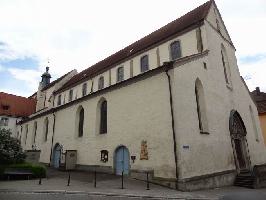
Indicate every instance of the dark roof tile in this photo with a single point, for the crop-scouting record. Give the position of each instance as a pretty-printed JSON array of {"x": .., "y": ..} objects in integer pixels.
[{"x": 191, "y": 18}]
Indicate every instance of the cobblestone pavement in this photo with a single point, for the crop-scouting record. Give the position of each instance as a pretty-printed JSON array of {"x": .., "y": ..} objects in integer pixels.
[{"x": 108, "y": 187}]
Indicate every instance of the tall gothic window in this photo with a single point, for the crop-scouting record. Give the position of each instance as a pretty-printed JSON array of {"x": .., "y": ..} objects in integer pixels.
[
  {"x": 26, "y": 133},
  {"x": 144, "y": 63},
  {"x": 46, "y": 129},
  {"x": 84, "y": 89},
  {"x": 34, "y": 132},
  {"x": 81, "y": 122},
  {"x": 175, "y": 50},
  {"x": 227, "y": 74},
  {"x": 103, "y": 117},
  {"x": 120, "y": 74},
  {"x": 101, "y": 83},
  {"x": 201, "y": 107},
  {"x": 70, "y": 97}
]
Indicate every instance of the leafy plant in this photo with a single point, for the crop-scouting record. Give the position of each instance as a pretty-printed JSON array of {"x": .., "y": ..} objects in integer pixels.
[{"x": 10, "y": 148}]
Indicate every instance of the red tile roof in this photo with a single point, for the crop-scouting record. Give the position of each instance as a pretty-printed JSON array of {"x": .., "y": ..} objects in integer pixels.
[
  {"x": 260, "y": 98},
  {"x": 192, "y": 18},
  {"x": 16, "y": 106}
]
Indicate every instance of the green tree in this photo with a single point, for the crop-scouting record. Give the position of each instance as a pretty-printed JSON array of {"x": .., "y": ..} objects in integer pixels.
[{"x": 10, "y": 148}]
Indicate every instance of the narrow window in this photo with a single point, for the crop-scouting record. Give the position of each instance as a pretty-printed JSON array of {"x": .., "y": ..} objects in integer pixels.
[
  {"x": 103, "y": 117},
  {"x": 144, "y": 63},
  {"x": 201, "y": 107},
  {"x": 254, "y": 124},
  {"x": 70, "y": 97},
  {"x": 59, "y": 100},
  {"x": 226, "y": 67},
  {"x": 120, "y": 74},
  {"x": 46, "y": 129},
  {"x": 84, "y": 89},
  {"x": 81, "y": 122},
  {"x": 198, "y": 108},
  {"x": 26, "y": 135},
  {"x": 34, "y": 132},
  {"x": 175, "y": 50},
  {"x": 101, "y": 83},
  {"x": 218, "y": 26}
]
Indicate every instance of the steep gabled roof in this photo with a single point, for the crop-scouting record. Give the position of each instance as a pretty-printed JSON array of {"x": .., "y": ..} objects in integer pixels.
[
  {"x": 179, "y": 25},
  {"x": 16, "y": 106},
  {"x": 260, "y": 98}
]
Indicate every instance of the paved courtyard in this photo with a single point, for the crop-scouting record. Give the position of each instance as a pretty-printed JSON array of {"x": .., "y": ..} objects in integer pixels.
[{"x": 109, "y": 187}]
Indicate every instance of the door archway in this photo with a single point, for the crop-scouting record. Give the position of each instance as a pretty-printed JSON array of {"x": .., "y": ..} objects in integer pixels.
[
  {"x": 57, "y": 155},
  {"x": 239, "y": 142},
  {"x": 121, "y": 160}
]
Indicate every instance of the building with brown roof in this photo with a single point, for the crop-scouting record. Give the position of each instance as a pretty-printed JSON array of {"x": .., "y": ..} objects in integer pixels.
[
  {"x": 172, "y": 103},
  {"x": 260, "y": 98},
  {"x": 14, "y": 108}
]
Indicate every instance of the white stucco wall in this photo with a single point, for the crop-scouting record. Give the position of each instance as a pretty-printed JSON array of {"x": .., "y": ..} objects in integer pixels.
[{"x": 11, "y": 124}]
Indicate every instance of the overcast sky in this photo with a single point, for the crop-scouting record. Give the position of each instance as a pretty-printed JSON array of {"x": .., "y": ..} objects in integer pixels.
[{"x": 77, "y": 34}]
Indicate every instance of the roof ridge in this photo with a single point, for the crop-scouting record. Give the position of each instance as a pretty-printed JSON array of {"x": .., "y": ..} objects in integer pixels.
[
  {"x": 14, "y": 95},
  {"x": 178, "y": 25}
]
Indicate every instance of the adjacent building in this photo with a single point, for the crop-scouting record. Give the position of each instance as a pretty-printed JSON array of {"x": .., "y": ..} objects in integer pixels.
[
  {"x": 13, "y": 109},
  {"x": 173, "y": 103},
  {"x": 260, "y": 98}
]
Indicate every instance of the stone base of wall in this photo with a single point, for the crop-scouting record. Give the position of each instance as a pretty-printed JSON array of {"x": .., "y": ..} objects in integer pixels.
[
  {"x": 260, "y": 176},
  {"x": 102, "y": 169},
  {"x": 219, "y": 179}
]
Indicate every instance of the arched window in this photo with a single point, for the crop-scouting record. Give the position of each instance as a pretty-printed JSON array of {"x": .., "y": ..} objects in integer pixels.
[
  {"x": 101, "y": 83},
  {"x": 81, "y": 122},
  {"x": 46, "y": 128},
  {"x": 34, "y": 132},
  {"x": 144, "y": 63},
  {"x": 226, "y": 67},
  {"x": 175, "y": 50},
  {"x": 120, "y": 74},
  {"x": 84, "y": 89},
  {"x": 201, "y": 107},
  {"x": 103, "y": 117}
]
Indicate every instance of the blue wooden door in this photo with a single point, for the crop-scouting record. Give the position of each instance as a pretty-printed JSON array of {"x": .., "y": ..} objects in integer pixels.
[
  {"x": 122, "y": 160},
  {"x": 57, "y": 154}
]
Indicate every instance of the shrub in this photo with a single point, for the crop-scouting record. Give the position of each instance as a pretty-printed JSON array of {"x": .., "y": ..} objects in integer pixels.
[
  {"x": 10, "y": 149},
  {"x": 37, "y": 170}
]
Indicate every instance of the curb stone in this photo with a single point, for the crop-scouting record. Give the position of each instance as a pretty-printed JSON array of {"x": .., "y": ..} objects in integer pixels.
[{"x": 102, "y": 194}]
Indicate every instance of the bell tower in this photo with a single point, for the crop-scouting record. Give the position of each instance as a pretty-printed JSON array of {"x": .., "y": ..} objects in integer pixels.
[{"x": 45, "y": 78}]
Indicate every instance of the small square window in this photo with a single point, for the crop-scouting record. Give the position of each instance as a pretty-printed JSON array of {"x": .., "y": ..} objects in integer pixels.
[{"x": 4, "y": 121}]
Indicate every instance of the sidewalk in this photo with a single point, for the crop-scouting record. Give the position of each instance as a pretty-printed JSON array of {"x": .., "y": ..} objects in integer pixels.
[{"x": 83, "y": 182}]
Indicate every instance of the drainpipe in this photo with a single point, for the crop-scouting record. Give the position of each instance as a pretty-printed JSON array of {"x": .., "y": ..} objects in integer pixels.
[
  {"x": 173, "y": 124},
  {"x": 52, "y": 141}
]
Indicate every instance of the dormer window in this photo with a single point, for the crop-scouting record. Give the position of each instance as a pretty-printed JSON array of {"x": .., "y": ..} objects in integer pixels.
[
  {"x": 175, "y": 50},
  {"x": 101, "y": 83},
  {"x": 70, "y": 97},
  {"x": 144, "y": 63}
]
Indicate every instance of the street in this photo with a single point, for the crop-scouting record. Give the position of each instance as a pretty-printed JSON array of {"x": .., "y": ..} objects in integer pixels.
[{"x": 63, "y": 196}]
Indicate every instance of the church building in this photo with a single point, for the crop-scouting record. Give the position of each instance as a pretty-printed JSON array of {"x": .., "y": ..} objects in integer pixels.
[{"x": 172, "y": 104}]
